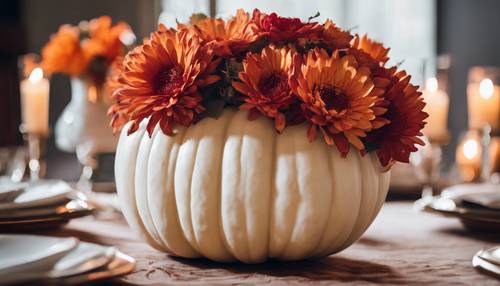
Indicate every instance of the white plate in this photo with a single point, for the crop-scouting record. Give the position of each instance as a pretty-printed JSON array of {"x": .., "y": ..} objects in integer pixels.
[
  {"x": 38, "y": 194},
  {"x": 120, "y": 265},
  {"x": 20, "y": 254},
  {"x": 45, "y": 211},
  {"x": 84, "y": 258},
  {"x": 9, "y": 190}
]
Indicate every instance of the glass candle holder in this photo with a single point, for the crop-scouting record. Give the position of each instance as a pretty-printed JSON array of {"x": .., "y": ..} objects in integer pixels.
[
  {"x": 469, "y": 155},
  {"x": 483, "y": 100},
  {"x": 426, "y": 162}
]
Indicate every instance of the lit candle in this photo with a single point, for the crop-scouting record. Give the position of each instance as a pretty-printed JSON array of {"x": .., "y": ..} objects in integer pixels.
[
  {"x": 484, "y": 104},
  {"x": 35, "y": 103},
  {"x": 468, "y": 156},
  {"x": 437, "y": 103}
]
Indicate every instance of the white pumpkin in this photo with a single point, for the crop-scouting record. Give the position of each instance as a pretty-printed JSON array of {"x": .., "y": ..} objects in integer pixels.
[{"x": 233, "y": 189}]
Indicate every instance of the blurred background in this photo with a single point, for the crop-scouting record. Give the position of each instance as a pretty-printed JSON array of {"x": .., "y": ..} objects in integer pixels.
[{"x": 429, "y": 38}]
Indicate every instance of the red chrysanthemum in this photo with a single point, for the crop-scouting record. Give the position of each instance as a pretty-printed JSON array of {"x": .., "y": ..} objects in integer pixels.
[
  {"x": 161, "y": 78},
  {"x": 282, "y": 29},
  {"x": 404, "y": 103},
  {"x": 264, "y": 82}
]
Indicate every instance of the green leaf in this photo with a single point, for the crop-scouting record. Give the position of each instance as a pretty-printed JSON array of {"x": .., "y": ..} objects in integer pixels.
[
  {"x": 196, "y": 18},
  {"x": 213, "y": 107},
  {"x": 313, "y": 17}
]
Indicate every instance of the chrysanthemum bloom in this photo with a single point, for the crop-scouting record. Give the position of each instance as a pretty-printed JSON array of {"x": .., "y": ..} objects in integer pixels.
[
  {"x": 104, "y": 39},
  {"x": 396, "y": 140},
  {"x": 282, "y": 29},
  {"x": 334, "y": 37},
  {"x": 161, "y": 80},
  {"x": 63, "y": 53},
  {"x": 264, "y": 82},
  {"x": 369, "y": 52},
  {"x": 118, "y": 111},
  {"x": 227, "y": 38},
  {"x": 335, "y": 99}
]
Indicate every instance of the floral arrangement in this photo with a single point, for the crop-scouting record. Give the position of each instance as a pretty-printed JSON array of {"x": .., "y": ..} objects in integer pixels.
[
  {"x": 287, "y": 70},
  {"x": 86, "y": 50}
]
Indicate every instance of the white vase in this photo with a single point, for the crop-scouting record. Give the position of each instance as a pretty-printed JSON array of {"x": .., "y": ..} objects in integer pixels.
[
  {"x": 83, "y": 127},
  {"x": 232, "y": 189},
  {"x": 69, "y": 125}
]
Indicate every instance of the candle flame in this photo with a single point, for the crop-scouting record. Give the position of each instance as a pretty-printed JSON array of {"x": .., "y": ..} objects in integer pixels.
[
  {"x": 36, "y": 75},
  {"x": 431, "y": 84},
  {"x": 486, "y": 88},
  {"x": 470, "y": 149}
]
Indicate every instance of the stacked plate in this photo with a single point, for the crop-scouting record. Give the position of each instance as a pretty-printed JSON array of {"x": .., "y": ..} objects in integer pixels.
[
  {"x": 39, "y": 205},
  {"x": 476, "y": 205},
  {"x": 53, "y": 260}
]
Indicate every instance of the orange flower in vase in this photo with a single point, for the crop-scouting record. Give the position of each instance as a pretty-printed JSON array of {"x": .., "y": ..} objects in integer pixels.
[
  {"x": 104, "y": 39},
  {"x": 86, "y": 50},
  {"x": 227, "y": 38},
  {"x": 264, "y": 82},
  {"x": 63, "y": 52},
  {"x": 336, "y": 99},
  {"x": 161, "y": 78}
]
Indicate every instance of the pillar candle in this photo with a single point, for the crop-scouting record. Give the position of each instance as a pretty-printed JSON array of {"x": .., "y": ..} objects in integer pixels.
[
  {"x": 437, "y": 103},
  {"x": 483, "y": 100},
  {"x": 35, "y": 103}
]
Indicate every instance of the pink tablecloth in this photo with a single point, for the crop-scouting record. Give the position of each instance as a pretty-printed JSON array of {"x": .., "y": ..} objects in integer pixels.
[{"x": 402, "y": 246}]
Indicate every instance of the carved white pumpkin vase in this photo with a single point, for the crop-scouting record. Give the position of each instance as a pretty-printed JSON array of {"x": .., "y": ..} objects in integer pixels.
[{"x": 234, "y": 190}]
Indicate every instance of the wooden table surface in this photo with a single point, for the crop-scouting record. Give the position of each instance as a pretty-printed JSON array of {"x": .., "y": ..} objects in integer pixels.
[{"x": 402, "y": 246}]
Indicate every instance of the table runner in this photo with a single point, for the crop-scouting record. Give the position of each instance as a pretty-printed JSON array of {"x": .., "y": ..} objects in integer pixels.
[{"x": 401, "y": 246}]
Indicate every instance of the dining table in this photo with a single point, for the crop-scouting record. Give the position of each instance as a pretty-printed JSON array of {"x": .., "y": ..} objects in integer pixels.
[{"x": 402, "y": 246}]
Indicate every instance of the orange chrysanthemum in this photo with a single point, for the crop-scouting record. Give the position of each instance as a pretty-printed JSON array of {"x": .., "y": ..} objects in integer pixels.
[
  {"x": 334, "y": 37},
  {"x": 161, "y": 78},
  {"x": 369, "y": 52},
  {"x": 404, "y": 103},
  {"x": 282, "y": 29},
  {"x": 264, "y": 82},
  {"x": 104, "y": 39},
  {"x": 117, "y": 111},
  {"x": 336, "y": 98},
  {"x": 227, "y": 38},
  {"x": 63, "y": 52}
]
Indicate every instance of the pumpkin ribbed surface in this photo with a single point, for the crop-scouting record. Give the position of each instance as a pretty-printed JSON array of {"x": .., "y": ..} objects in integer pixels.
[{"x": 233, "y": 189}]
